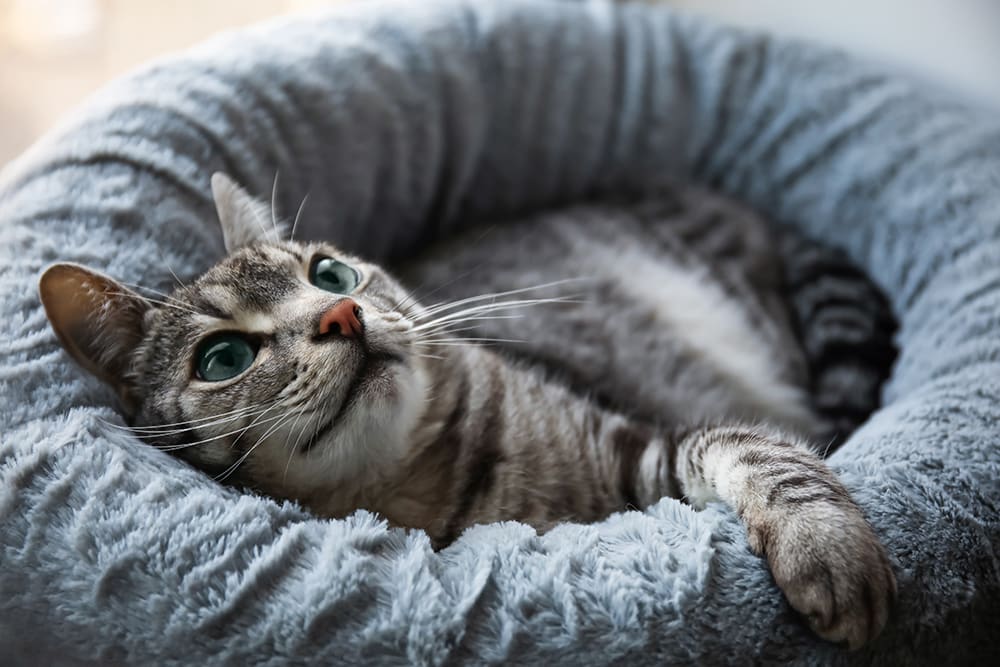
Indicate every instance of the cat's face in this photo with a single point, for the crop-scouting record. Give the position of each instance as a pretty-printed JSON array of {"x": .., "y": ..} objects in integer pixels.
[
  {"x": 308, "y": 342},
  {"x": 293, "y": 364}
]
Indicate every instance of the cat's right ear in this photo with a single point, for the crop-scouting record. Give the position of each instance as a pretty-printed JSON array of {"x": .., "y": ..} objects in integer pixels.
[
  {"x": 244, "y": 220},
  {"x": 97, "y": 319}
]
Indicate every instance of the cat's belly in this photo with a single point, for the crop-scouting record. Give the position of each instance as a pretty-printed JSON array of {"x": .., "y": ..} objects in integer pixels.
[
  {"x": 731, "y": 364},
  {"x": 649, "y": 329}
]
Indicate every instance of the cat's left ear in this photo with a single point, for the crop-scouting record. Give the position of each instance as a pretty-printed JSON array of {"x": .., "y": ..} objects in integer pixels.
[{"x": 244, "y": 220}]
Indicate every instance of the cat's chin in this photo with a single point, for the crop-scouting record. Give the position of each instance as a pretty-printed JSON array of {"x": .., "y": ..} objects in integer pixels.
[
  {"x": 382, "y": 402},
  {"x": 366, "y": 443},
  {"x": 379, "y": 378},
  {"x": 378, "y": 384}
]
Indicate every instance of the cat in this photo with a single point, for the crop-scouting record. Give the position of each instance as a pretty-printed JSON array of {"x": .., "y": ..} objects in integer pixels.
[{"x": 306, "y": 373}]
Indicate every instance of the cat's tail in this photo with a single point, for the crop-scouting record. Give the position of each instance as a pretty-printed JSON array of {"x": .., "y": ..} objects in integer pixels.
[{"x": 846, "y": 327}]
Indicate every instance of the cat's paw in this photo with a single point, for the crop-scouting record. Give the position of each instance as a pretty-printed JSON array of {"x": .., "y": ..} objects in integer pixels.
[{"x": 832, "y": 569}]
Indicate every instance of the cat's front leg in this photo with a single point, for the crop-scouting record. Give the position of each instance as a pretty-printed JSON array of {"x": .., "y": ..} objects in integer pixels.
[{"x": 822, "y": 552}]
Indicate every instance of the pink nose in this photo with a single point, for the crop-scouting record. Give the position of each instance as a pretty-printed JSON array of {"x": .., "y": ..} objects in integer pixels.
[{"x": 344, "y": 318}]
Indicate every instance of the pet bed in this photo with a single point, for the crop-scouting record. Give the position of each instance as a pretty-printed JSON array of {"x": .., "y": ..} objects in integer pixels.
[{"x": 405, "y": 121}]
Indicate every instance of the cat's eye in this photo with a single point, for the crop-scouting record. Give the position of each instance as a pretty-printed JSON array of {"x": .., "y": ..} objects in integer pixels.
[
  {"x": 331, "y": 275},
  {"x": 224, "y": 356}
]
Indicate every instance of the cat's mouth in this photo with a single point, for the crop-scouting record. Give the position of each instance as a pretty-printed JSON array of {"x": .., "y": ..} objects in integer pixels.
[{"x": 373, "y": 369}]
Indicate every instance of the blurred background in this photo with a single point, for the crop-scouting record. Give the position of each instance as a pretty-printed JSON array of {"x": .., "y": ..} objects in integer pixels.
[{"x": 54, "y": 52}]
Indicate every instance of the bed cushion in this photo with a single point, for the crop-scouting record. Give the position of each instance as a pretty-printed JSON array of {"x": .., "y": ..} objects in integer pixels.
[{"x": 404, "y": 121}]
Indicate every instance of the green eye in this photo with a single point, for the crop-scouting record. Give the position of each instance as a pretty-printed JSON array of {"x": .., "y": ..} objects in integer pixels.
[
  {"x": 333, "y": 276},
  {"x": 224, "y": 356}
]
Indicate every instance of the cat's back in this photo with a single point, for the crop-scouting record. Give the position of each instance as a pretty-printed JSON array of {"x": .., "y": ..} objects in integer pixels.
[{"x": 673, "y": 308}]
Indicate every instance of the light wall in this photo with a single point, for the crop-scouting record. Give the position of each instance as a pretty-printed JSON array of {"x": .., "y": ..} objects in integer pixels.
[
  {"x": 954, "y": 44},
  {"x": 55, "y": 52}
]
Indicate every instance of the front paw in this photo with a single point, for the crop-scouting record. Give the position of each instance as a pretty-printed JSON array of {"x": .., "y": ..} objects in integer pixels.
[{"x": 832, "y": 569}]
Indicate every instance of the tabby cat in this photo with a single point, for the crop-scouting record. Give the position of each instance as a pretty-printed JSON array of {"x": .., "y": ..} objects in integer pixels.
[{"x": 304, "y": 372}]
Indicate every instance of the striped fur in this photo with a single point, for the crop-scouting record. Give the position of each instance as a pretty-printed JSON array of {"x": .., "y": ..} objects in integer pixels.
[
  {"x": 439, "y": 434},
  {"x": 846, "y": 330}
]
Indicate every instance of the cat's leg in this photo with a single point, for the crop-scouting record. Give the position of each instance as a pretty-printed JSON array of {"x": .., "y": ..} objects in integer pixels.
[{"x": 823, "y": 554}]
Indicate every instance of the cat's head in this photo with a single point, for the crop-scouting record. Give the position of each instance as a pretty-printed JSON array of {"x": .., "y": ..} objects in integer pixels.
[{"x": 293, "y": 363}]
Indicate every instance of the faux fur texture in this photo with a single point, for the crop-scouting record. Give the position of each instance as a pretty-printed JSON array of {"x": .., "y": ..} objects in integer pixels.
[{"x": 407, "y": 120}]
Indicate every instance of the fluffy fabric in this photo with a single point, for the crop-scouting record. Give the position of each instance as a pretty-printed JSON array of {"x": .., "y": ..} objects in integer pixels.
[{"x": 405, "y": 121}]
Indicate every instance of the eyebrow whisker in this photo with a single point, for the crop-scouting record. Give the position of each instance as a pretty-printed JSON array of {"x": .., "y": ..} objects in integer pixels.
[
  {"x": 298, "y": 214},
  {"x": 165, "y": 304},
  {"x": 274, "y": 205}
]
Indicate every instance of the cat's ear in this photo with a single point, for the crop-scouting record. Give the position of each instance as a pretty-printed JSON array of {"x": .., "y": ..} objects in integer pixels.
[
  {"x": 98, "y": 320},
  {"x": 244, "y": 219}
]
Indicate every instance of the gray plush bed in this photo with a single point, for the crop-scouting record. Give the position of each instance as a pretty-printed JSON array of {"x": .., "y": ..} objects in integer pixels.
[{"x": 409, "y": 120}]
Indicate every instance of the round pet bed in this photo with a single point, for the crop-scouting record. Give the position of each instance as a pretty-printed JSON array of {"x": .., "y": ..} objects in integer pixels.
[{"x": 405, "y": 121}]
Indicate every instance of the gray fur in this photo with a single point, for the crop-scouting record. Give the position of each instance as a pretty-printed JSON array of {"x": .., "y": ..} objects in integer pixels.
[
  {"x": 438, "y": 433},
  {"x": 826, "y": 329}
]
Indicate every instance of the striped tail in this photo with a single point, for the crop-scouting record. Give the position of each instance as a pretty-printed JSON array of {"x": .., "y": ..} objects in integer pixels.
[{"x": 846, "y": 328}]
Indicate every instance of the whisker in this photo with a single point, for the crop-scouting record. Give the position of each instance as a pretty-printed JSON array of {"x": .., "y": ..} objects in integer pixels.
[
  {"x": 479, "y": 309},
  {"x": 241, "y": 431},
  {"x": 411, "y": 297},
  {"x": 826, "y": 450},
  {"x": 477, "y": 318},
  {"x": 147, "y": 299},
  {"x": 229, "y": 471},
  {"x": 295, "y": 446},
  {"x": 489, "y": 307},
  {"x": 274, "y": 205},
  {"x": 464, "y": 341},
  {"x": 188, "y": 421},
  {"x": 169, "y": 300},
  {"x": 430, "y": 334},
  {"x": 482, "y": 297},
  {"x": 450, "y": 326},
  {"x": 497, "y": 304},
  {"x": 179, "y": 281},
  {"x": 148, "y": 289},
  {"x": 427, "y": 356},
  {"x": 298, "y": 214},
  {"x": 252, "y": 424},
  {"x": 152, "y": 433}
]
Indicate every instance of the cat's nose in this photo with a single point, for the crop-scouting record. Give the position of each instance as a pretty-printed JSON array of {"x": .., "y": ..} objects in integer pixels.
[{"x": 344, "y": 319}]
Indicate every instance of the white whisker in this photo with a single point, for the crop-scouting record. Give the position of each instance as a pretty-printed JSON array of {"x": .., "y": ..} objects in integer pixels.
[
  {"x": 274, "y": 205},
  {"x": 179, "y": 281},
  {"x": 298, "y": 214},
  {"x": 240, "y": 431},
  {"x": 826, "y": 450},
  {"x": 295, "y": 445},
  {"x": 457, "y": 325},
  {"x": 165, "y": 433},
  {"x": 291, "y": 453},
  {"x": 492, "y": 295},
  {"x": 147, "y": 299},
  {"x": 229, "y": 471},
  {"x": 253, "y": 423},
  {"x": 189, "y": 421},
  {"x": 427, "y": 356},
  {"x": 465, "y": 341},
  {"x": 411, "y": 296},
  {"x": 487, "y": 308},
  {"x": 157, "y": 292}
]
